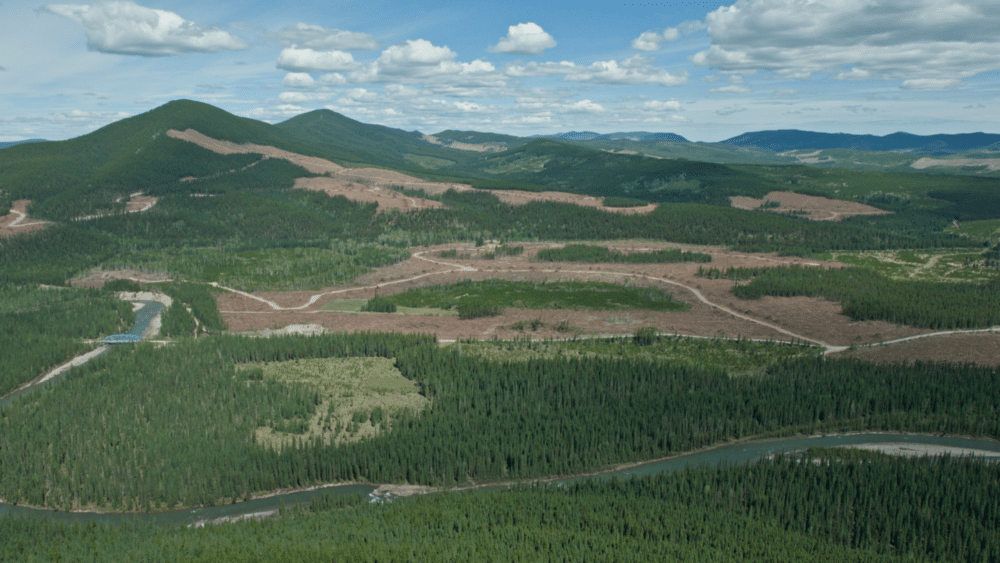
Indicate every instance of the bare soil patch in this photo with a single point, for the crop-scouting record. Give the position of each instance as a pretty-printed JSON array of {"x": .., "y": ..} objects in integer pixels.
[
  {"x": 819, "y": 208},
  {"x": 811, "y": 318},
  {"x": 517, "y": 197},
  {"x": 981, "y": 348},
  {"x": 310, "y": 163},
  {"x": 138, "y": 203},
  {"x": 480, "y": 147},
  {"x": 369, "y": 184},
  {"x": 17, "y": 221},
  {"x": 991, "y": 164},
  {"x": 384, "y": 197},
  {"x": 97, "y": 278}
]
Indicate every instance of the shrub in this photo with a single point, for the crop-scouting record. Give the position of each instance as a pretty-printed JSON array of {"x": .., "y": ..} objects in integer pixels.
[
  {"x": 473, "y": 309},
  {"x": 379, "y": 305}
]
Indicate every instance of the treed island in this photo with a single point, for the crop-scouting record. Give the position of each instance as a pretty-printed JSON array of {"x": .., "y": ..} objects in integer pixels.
[{"x": 346, "y": 342}]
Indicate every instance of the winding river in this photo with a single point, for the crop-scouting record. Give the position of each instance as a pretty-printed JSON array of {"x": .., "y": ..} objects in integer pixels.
[{"x": 738, "y": 453}]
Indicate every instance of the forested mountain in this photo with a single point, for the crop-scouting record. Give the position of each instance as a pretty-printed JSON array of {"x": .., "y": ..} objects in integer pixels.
[{"x": 792, "y": 139}]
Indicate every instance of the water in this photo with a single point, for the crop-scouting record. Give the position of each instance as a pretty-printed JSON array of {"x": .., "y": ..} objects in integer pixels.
[
  {"x": 740, "y": 453},
  {"x": 731, "y": 454},
  {"x": 142, "y": 319}
]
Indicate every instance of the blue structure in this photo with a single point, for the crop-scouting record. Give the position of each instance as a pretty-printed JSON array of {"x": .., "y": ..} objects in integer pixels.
[{"x": 121, "y": 339}]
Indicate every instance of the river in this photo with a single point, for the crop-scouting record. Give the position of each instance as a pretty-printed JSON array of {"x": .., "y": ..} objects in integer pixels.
[{"x": 738, "y": 453}]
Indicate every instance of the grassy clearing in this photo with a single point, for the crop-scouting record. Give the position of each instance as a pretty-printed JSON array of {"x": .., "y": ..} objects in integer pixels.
[
  {"x": 929, "y": 265},
  {"x": 355, "y": 305},
  {"x": 359, "y": 399},
  {"x": 738, "y": 357},
  {"x": 428, "y": 161},
  {"x": 594, "y": 296},
  {"x": 988, "y": 229}
]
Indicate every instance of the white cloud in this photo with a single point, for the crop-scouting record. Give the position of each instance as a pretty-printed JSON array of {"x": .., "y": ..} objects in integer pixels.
[
  {"x": 308, "y": 60},
  {"x": 732, "y": 89},
  {"x": 302, "y": 97},
  {"x": 924, "y": 43},
  {"x": 785, "y": 94},
  {"x": 298, "y": 80},
  {"x": 653, "y": 41},
  {"x": 358, "y": 96},
  {"x": 127, "y": 28},
  {"x": 585, "y": 106},
  {"x": 332, "y": 79},
  {"x": 524, "y": 39},
  {"x": 322, "y": 39},
  {"x": 931, "y": 84},
  {"x": 415, "y": 52},
  {"x": 634, "y": 70},
  {"x": 539, "y": 69},
  {"x": 655, "y": 105}
]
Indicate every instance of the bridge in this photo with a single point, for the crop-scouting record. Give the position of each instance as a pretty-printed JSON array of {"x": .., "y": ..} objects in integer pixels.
[{"x": 121, "y": 339}]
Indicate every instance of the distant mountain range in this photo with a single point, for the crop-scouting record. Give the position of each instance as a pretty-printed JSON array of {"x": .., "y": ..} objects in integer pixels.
[
  {"x": 630, "y": 136},
  {"x": 794, "y": 139},
  {"x": 5, "y": 144}
]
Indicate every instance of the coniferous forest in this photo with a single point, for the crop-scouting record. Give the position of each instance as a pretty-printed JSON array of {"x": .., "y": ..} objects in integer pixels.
[{"x": 192, "y": 423}]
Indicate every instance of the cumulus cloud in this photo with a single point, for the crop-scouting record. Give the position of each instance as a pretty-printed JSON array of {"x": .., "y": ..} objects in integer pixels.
[
  {"x": 302, "y": 97},
  {"x": 127, "y": 28},
  {"x": 732, "y": 89},
  {"x": 927, "y": 44},
  {"x": 419, "y": 59},
  {"x": 298, "y": 80},
  {"x": 524, "y": 39},
  {"x": 653, "y": 41},
  {"x": 633, "y": 71},
  {"x": 322, "y": 39},
  {"x": 308, "y": 60},
  {"x": 655, "y": 105}
]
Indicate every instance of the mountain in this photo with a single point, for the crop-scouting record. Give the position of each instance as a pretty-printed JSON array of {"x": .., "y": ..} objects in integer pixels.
[
  {"x": 794, "y": 139},
  {"x": 84, "y": 175},
  {"x": 5, "y": 144}
]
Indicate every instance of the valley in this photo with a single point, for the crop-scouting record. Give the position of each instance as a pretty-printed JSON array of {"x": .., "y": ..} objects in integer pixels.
[{"x": 348, "y": 307}]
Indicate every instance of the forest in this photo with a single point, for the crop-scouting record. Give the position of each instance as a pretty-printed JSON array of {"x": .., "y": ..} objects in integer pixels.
[
  {"x": 144, "y": 428},
  {"x": 601, "y": 254},
  {"x": 869, "y": 295},
  {"x": 844, "y": 507},
  {"x": 40, "y": 328}
]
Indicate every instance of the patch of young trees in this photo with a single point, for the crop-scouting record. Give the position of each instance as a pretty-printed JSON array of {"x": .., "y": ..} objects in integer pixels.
[{"x": 592, "y": 253}]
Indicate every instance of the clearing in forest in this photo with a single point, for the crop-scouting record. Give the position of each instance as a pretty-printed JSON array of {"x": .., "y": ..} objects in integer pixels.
[{"x": 360, "y": 398}]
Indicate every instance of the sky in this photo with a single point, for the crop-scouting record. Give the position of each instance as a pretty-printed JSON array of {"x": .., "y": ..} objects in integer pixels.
[{"x": 707, "y": 70}]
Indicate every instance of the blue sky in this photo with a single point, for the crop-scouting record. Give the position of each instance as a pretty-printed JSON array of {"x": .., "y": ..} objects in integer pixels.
[{"x": 705, "y": 70}]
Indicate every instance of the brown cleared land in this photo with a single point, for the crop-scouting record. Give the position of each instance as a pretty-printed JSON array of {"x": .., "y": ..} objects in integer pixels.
[
  {"x": 814, "y": 319},
  {"x": 818, "y": 208},
  {"x": 980, "y": 348},
  {"x": 370, "y": 185},
  {"x": 17, "y": 221}
]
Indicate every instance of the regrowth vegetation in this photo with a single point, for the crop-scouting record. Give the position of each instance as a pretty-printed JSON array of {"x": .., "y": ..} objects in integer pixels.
[
  {"x": 496, "y": 294},
  {"x": 590, "y": 253}
]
